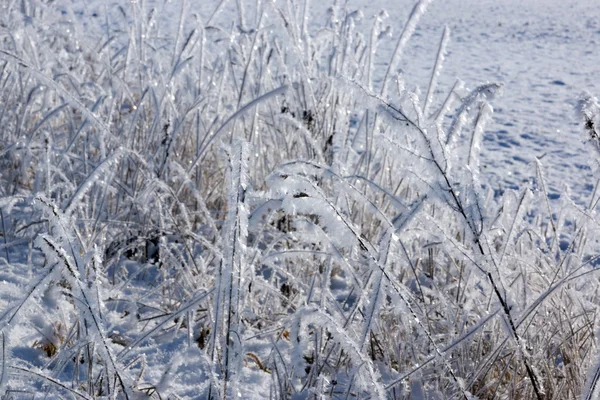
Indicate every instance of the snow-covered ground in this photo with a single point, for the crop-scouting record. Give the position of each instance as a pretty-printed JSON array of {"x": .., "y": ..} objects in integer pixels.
[
  {"x": 148, "y": 253},
  {"x": 545, "y": 52}
]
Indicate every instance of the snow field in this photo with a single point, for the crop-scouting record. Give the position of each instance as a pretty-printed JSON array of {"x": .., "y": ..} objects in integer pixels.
[{"x": 241, "y": 200}]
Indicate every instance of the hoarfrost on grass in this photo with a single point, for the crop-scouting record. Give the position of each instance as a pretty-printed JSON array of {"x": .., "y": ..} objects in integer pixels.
[{"x": 192, "y": 207}]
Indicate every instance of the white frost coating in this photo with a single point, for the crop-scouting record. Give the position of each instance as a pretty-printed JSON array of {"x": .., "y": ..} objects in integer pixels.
[
  {"x": 378, "y": 292},
  {"x": 238, "y": 113},
  {"x": 592, "y": 383},
  {"x": 89, "y": 309},
  {"x": 409, "y": 29},
  {"x": 70, "y": 266},
  {"x": 234, "y": 268},
  {"x": 72, "y": 100},
  {"x": 370, "y": 380},
  {"x": 472, "y": 193},
  {"x": 484, "y": 115},
  {"x": 414, "y": 99},
  {"x": 55, "y": 253},
  {"x": 437, "y": 69},
  {"x": 92, "y": 179},
  {"x": 303, "y": 197},
  {"x": 438, "y": 117},
  {"x": 377, "y": 32},
  {"x": 382, "y": 174},
  {"x": 305, "y": 133},
  {"x": 4, "y": 359},
  {"x": 169, "y": 376},
  {"x": 589, "y": 109},
  {"x": 487, "y": 91},
  {"x": 262, "y": 213},
  {"x": 7, "y": 203},
  {"x": 11, "y": 314}
]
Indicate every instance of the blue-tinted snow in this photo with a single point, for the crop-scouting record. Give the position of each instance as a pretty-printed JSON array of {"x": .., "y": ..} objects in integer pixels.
[{"x": 544, "y": 52}]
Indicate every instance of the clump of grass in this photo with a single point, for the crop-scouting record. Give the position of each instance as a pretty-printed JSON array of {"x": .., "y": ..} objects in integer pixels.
[{"x": 218, "y": 210}]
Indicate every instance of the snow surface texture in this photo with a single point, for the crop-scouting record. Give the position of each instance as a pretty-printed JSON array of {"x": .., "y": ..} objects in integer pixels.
[
  {"x": 544, "y": 52},
  {"x": 248, "y": 199}
]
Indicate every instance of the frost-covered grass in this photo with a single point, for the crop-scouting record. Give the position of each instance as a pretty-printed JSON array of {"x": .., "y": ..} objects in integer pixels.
[{"x": 207, "y": 208}]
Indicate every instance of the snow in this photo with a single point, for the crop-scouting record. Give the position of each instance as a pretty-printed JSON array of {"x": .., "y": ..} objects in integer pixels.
[
  {"x": 314, "y": 228},
  {"x": 543, "y": 53}
]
